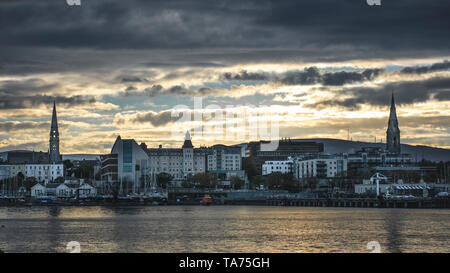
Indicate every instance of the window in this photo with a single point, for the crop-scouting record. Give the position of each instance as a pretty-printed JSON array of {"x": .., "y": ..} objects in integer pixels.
[{"x": 127, "y": 156}]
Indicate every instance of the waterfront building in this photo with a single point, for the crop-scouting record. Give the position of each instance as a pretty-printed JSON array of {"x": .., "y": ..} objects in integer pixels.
[
  {"x": 392, "y": 171},
  {"x": 64, "y": 190},
  {"x": 5, "y": 171},
  {"x": 319, "y": 166},
  {"x": 44, "y": 173},
  {"x": 225, "y": 161},
  {"x": 38, "y": 190},
  {"x": 16, "y": 169},
  {"x": 23, "y": 157},
  {"x": 180, "y": 163},
  {"x": 286, "y": 148},
  {"x": 280, "y": 166},
  {"x": 438, "y": 187},
  {"x": 86, "y": 191},
  {"x": 10, "y": 171},
  {"x": 371, "y": 157},
  {"x": 399, "y": 188},
  {"x": 131, "y": 161},
  {"x": 50, "y": 189},
  {"x": 109, "y": 168}
]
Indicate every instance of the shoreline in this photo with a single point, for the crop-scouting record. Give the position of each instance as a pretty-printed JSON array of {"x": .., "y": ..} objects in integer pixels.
[{"x": 429, "y": 203}]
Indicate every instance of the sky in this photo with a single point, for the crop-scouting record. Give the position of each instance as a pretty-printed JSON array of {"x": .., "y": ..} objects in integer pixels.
[{"x": 320, "y": 68}]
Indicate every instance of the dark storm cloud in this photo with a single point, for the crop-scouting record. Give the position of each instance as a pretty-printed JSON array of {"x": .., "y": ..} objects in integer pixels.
[
  {"x": 397, "y": 26},
  {"x": 159, "y": 90},
  {"x": 443, "y": 95},
  {"x": 23, "y": 102},
  {"x": 394, "y": 24},
  {"x": 126, "y": 24},
  {"x": 406, "y": 92},
  {"x": 156, "y": 119},
  {"x": 178, "y": 64},
  {"x": 21, "y": 94},
  {"x": 344, "y": 77},
  {"x": 245, "y": 76},
  {"x": 25, "y": 87},
  {"x": 133, "y": 79},
  {"x": 442, "y": 66},
  {"x": 310, "y": 75},
  {"x": 9, "y": 126}
]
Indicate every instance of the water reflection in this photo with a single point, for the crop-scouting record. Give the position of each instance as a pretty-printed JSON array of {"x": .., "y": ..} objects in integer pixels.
[
  {"x": 53, "y": 230},
  {"x": 393, "y": 222},
  {"x": 222, "y": 229}
]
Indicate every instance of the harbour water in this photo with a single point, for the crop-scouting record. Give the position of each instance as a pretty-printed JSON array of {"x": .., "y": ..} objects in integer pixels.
[{"x": 223, "y": 229}]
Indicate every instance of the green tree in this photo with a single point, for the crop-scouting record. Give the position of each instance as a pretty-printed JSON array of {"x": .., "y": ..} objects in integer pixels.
[
  {"x": 115, "y": 189},
  {"x": 85, "y": 170},
  {"x": 98, "y": 176},
  {"x": 205, "y": 180},
  {"x": 281, "y": 181},
  {"x": 249, "y": 166},
  {"x": 163, "y": 179},
  {"x": 311, "y": 182},
  {"x": 59, "y": 180},
  {"x": 68, "y": 167},
  {"x": 257, "y": 181},
  {"x": 187, "y": 183},
  {"x": 20, "y": 178},
  {"x": 236, "y": 182},
  {"x": 29, "y": 182}
]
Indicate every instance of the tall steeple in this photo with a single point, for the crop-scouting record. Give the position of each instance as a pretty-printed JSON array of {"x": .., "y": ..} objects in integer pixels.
[
  {"x": 54, "y": 138},
  {"x": 393, "y": 132},
  {"x": 187, "y": 141}
]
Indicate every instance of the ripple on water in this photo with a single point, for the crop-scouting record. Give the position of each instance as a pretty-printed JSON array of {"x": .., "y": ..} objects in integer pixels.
[{"x": 222, "y": 229}]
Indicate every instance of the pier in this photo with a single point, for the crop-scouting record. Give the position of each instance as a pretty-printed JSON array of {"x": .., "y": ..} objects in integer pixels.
[
  {"x": 361, "y": 202},
  {"x": 242, "y": 197}
]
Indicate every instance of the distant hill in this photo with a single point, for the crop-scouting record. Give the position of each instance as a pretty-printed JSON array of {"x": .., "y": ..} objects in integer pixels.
[{"x": 418, "y": 152}]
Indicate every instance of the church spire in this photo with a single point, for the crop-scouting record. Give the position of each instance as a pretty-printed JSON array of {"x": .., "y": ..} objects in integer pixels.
[
  {"x": 54, "y": 138},
  {"x": 393, "y": 113},
  {"x": 393, "y": 132},
  {"x": 54, "y": 118}
]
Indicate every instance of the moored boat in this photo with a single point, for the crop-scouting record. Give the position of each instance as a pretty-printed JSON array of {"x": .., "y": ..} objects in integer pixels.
[{"x": 207, "y": 200}]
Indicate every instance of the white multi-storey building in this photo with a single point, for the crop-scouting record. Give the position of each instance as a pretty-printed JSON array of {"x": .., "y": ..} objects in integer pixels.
[
  {"x": 280, "y": 166},
  {"x": 369, "y": 157},
  {"x": 221, "y": 157},
  {"x": 180, "y": 163},
  {"x": 128, "y": 159},
  {"x": 322, "y": 166},
  {"x": 225, "y": 161},
  {"x": 44, "y": 173}
]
